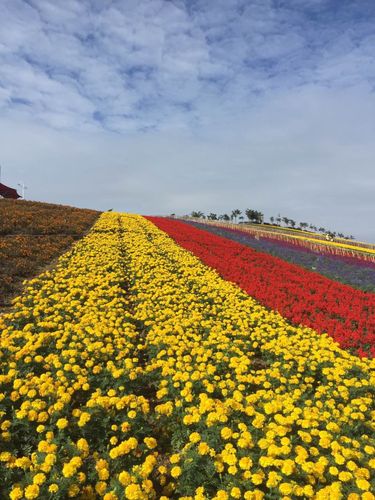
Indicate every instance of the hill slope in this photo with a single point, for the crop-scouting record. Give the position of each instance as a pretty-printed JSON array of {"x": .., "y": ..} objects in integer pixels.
[{"x": 32, "y": 234}]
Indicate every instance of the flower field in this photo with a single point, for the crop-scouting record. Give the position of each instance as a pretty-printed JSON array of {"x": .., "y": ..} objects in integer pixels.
[
  {"x": 341, "y": 247},
  {"x": 132, "y": 370},
  {"x": 301, "y": 296},
  {"x": 355, "y": 272},
  {"x": 31, "y": 235}
]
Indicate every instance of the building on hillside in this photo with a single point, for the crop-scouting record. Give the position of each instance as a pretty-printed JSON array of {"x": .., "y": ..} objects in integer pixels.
[{"x": 7, "y": 192}]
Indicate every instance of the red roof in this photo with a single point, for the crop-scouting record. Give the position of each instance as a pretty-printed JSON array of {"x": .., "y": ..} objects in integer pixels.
[{"x": 7, "y": 192}]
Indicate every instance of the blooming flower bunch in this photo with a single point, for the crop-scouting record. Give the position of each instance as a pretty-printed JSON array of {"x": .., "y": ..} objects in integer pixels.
[
  {"x": 302, "y": 296},
  {"x": 134, "y": 371}
]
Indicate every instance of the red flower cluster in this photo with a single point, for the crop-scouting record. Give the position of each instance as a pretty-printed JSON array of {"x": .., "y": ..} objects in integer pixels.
[{"x": 301, "y": 296}]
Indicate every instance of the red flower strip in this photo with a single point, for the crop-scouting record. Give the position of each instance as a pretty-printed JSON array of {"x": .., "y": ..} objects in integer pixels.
[{"x": 301, "y": 296}]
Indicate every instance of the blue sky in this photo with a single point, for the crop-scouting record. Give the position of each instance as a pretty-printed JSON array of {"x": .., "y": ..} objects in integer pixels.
[{"x": 160, "y": 106}]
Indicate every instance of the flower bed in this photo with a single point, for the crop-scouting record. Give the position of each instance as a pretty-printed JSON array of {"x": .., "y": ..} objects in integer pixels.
[
  {"x": 31, "y": 235},
  {"x": 303, "y": 297},
  {"x": 134, "y": 371},
  {"x": 354, "y": 272}
]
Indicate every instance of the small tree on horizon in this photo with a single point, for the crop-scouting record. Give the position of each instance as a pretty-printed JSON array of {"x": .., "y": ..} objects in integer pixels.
[{"x": 235, "y": 213}]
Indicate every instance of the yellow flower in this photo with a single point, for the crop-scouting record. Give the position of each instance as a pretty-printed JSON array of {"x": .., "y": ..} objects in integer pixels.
[
  {"x": 133, "y": 492},
  {"x": 62, "y": 423},
  {"x": 226, "y": 433},
  {"x": 39, "y": 479},
  {"x": 194, "y": 437},
  {"x": 257, "y": 478},
  {"x": 32, "y": 491},
  {"x": 176, "y": 471},
  {"x": 175, "y": 458},
  {"x": 110, "y": 496},
  {"x": 235, "y": 492},
  {"x": 150, "y": 442},
  {"x": 203, "y": 448},
  {"x": 125, "y": 478},
  {"x": 363, "y": 484},
  {"x": 245, "y": 463},
  {"x": 285, "y": 488},
  {"x": 100, "y": 487},
  {"x": 16, "y": 493}
]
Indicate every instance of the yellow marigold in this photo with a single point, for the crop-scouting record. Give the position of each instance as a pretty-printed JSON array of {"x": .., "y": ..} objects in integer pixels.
[
  {"x": 125, "y": 478},
  {"x": 16, "y": 493},
  {"x": 175, "y": 458},
  {"x": 68, "y": 470},
  {"x": 110, "y": 496},
  {"x": 226, "y": 433},
  {"x": 39, "y": 478},
  {"x": 62, "y": 423},
  {"x": 221, "y": 495},
  {"x": 133, "y": 492},
  {"x": 53, "y": 488},
  {"x": 100, "y": 487},
  {"x": 83, "y": 419},
  {"x": 257, "y": 478},
  {"x": 285, "y": 488},
  {"x": 345, "y": 476},
  {"x": 73, "y": 490},
  {"x": 32, "y": 491},
  {"x": 363, "y": 484},
  {"x": 235, "y": 492},
  {"x": 245, "y": 463},
  {"x": 176, "y": 471},
  {"x": 150, "y": 442},
  {"x": 83, "y": 445},
  {"x": 203, "y": 448},
  {"x": 194, "y": 437}
]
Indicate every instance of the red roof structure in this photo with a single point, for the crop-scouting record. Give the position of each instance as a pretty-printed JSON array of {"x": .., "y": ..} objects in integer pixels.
[{"x": 7, "y": 192}]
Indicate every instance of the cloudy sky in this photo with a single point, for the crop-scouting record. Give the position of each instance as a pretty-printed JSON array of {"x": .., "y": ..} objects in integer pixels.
[{"x": 160, "y": 106}]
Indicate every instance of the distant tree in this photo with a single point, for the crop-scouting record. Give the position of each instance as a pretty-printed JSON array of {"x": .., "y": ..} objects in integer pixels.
[
  {"x": 340, "y": 235},
  {"x": 235, "y": 214},
  {"x": 286, "y": 220},
  {"x": 250, "y": 214},
  {"x": 197, "y": 215},
  {"x": 292, "y": 222},
  {"x": 226, "y": 217},
  {"x": 212, "y": 216},
  {"x": 241, "y": 218},
  {"x": 254, "y": 215},
  {"x": 322, "y": 230},
  {"x": 278, "y": 219},
  {"x": 304, "y": 225},
  {"x": 272, "y": 219}
]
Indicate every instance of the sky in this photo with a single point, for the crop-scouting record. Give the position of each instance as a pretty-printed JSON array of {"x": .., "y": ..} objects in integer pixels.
[{"x": 170, "y": 106}]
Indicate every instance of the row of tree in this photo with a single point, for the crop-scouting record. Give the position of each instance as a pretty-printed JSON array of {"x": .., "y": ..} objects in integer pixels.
[
  {"x": 256, "y": 217},
  {"x": 236, "y": 214}
]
